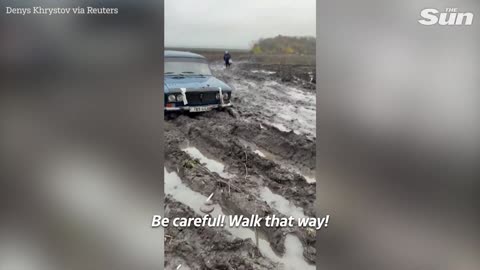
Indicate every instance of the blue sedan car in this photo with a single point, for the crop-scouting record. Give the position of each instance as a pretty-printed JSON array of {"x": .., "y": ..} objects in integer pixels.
[{"x": 190, "y": 85}]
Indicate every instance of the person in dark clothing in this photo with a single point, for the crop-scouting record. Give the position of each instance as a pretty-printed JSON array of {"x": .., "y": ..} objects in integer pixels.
[{"x": 226, "y": 58}]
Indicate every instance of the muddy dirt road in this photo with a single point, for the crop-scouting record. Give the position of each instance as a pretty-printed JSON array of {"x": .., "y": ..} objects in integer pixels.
[
  {"x": 276, "y": 95},
  {"x": 258, "y": 158}
]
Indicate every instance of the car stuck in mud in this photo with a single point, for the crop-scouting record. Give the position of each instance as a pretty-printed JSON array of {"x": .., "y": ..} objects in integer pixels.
[
  {"x": 190, "y": 86},
  {"x": 255, "y": 161}
]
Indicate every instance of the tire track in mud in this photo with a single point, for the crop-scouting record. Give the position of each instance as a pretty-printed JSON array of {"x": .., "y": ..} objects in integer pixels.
[
  {"x": 221, "y": 136},
  {"x": 214, "y": 133},
  {"x": 236, "y": 196}
]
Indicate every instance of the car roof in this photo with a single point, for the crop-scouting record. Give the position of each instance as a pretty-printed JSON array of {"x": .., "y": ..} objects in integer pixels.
[{"x": 182, "y": 54}]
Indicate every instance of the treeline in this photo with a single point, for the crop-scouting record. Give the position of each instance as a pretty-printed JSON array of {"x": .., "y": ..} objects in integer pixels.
[{"x": 284, "y": 45}]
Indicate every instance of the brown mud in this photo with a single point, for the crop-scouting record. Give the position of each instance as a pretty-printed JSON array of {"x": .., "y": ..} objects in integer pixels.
[
  {"x": 208, "y": 248},
  {"x": 258, "y": 151}
]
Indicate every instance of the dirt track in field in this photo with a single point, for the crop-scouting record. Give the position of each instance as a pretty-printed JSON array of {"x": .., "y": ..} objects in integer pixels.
[{"x": 257, "y": 158}]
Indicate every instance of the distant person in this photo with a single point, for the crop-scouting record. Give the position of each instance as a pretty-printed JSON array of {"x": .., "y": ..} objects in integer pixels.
[{"x": 227, "y": 58}]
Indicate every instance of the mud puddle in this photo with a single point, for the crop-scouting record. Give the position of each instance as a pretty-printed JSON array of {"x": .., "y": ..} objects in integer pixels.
[
  {"x": 263, "y": 71},
  {"x": 182, "y": 193},
  {"x": 211, "y": 164},
  {"x": 281, "y": 204},
  {"x": 293, "y": 257}
]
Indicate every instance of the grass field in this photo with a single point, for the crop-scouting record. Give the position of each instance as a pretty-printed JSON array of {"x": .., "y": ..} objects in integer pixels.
[{"x": 246, "y": 55}]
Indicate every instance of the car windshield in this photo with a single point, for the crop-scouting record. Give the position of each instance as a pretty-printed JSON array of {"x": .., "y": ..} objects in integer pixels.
[{"x": 176, "y": 67}]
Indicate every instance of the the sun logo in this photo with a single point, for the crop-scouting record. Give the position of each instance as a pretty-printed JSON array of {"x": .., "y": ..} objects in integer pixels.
[{"x": 431, "y": 16}]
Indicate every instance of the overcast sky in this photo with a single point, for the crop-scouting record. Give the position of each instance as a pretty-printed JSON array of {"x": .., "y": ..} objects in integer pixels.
[{"x": 235, "y": 23}]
